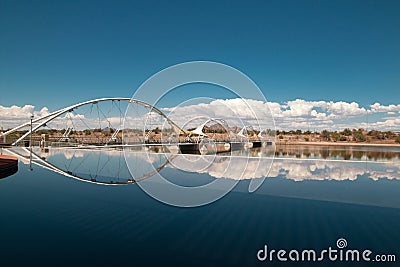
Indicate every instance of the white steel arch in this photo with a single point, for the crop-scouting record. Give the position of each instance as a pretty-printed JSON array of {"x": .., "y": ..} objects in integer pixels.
[
  {"x": 39, "y": 122},
  {"x": 199, "y": 129}
]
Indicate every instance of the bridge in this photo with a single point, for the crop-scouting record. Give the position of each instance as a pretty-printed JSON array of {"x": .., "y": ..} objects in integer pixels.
[
  {"x": 37, "y": 123},
  {"x": 102, "y": 122},
  {"x": 101, "y": 125}
]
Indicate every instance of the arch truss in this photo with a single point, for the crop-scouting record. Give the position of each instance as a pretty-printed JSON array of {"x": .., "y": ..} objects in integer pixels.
[{"x": 38, "y": 123}]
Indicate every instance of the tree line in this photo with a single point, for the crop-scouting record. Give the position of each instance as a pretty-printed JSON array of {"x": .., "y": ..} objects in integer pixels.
[{"x": 357, "y": 135}]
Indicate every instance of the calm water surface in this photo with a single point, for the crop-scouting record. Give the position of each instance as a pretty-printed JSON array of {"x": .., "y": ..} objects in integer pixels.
[{"x": 311, "y": 197}]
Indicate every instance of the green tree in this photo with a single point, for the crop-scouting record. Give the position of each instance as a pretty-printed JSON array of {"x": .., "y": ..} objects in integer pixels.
[
  {"x": 359, "y": 136},
  {"x": 271, "y": 132},
  {"x": 389, "y": 134},
  {"x": 325, "y": 135},
  {"x": 346, "y": 132},
  {"x": 335, "y": 136}
]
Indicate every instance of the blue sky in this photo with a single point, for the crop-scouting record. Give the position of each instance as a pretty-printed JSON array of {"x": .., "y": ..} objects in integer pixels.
[{"x": 56, "y": 53}]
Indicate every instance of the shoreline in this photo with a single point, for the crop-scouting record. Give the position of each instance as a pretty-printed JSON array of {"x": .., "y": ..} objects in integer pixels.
[{"x": 336, "y": 144}]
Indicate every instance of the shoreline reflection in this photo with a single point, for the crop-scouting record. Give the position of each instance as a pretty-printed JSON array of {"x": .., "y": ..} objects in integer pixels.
[
  {"x": 333, "y": 179},
  {"x": 108, "y": 166}
]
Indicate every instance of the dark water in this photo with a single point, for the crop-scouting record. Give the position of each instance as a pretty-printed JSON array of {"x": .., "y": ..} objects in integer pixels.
[{"x": 48, "y": 219}]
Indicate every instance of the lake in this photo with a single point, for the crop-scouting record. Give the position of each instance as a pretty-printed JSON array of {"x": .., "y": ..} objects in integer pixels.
[{"x": 82, "y": 207}]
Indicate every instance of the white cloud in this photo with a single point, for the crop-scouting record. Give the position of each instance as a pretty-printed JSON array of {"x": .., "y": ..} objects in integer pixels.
[
  {"x": 234, "y": 111},
  {"x": 393, "y": 122},
  {"x": 344, "y": 109},
  {"x": 377, "y": 107},
  {"x": 15, "y": 112},
  {"x": 298, "y": 107},
  {"x": 294, "y": 114}
]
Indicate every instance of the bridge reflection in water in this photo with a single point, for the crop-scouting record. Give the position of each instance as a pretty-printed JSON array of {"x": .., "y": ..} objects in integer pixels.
[{"x": 358, "y": 178}]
